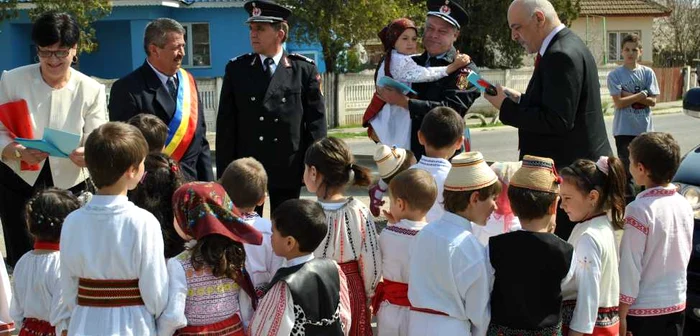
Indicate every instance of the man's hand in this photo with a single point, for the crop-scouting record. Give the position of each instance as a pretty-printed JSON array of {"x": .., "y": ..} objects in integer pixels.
[
  {"x": 498, "y": 99},
  {"x": 78, "y": 157},
  {"x": 393, "y": 97},
  {"x": 28, "y": 155}
]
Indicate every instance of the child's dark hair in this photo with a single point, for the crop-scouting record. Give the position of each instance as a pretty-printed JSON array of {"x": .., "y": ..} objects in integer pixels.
[
  {"x": 407, "y": 163},
  {"x": 153, "y": 129},
  {"x": 333, "y": 159},
  {"x": 416, "y": 187},
  {"x": 245, "y": 182},
  {"x": 46, "y": 211},
  {"x": 659, "y": 153},
  {"x": 530, "y": 204},
  {"x": 225, "y": 256},
  {"x": 111, "y": 149},
  {"x": 457, "y": 201},
  {"x": 302, "y": 219},
  {"x": 442, "y": 127},
  {"x": 154, "y": 193},
  {"x": 587, "y": 177},
  {"x": 632, "y": 38}
]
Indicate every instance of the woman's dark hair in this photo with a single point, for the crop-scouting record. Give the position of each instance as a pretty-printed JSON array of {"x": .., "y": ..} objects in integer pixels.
[
  {"x": 46, "y": 211},
  {"x": 55, "y": 27},
  {"x": 587, "y": 177},
  {"x": 225, "y": 256},
  {"x": 154, "y": 193},
  {"x": 333, "y": 159}
]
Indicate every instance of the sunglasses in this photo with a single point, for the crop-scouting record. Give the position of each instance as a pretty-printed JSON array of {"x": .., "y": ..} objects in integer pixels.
[{"x": 48, "y": 53}]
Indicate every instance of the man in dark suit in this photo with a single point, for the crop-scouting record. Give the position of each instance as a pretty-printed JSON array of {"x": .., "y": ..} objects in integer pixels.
[
  {"x": 442, "y": 27},
  {"x": 160, "y": 87},
  {"x": 559, "y": 116},
  {"x": 271, "y": 105}
]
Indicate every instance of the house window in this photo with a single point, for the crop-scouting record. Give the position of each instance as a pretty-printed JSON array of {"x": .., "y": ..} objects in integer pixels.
[
  {"x": 308, "y": 53},
  {"x": 198, "y": 50},
  {"x": 615, "y": 41}
]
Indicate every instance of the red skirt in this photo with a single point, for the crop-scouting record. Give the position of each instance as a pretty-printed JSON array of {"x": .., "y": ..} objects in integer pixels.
[
  {"x": 361, "y": 324},
  {"x": 607, "y": 323},
  {"x": 36, "y": 327},
  {"x": 229, "y": 327}
]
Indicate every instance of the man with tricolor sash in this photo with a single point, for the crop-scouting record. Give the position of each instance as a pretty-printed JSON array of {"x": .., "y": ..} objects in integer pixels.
[
  {"x": 271, "y": 105},
  {"x": 162, "y": 88}
]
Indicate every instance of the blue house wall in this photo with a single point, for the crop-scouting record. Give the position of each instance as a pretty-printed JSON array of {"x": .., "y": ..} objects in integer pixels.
[{"x": 120, "y": 37}]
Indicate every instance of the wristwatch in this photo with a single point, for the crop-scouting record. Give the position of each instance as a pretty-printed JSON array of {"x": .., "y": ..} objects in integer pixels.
[{"x": 18, "y": 154}]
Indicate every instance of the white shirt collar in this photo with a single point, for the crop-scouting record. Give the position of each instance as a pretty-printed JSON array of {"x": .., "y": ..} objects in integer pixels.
[
  {"x": 163, "y": 77},
  {"x": 549, "y": 38},
  {"x": 457, "y": 220},
  {"x": 299, "y": 260},
  {"x": 275, "y": 58}
]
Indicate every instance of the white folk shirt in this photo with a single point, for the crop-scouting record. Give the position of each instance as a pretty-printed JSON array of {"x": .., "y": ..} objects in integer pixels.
[
  {"x": 261, "y": 263},
  {"x": 393, "y": 123},
  {"x": 37, "y": 290},
  {"x": 275, "y": 314},
  {"x": 352, "y": 236},
  {"x": 78, "y": 108},
  {"x": 396, "y": 242},
  {"x": 112, "y": 239},
  {"x": 439, "y": 168},
  {"x": 655, "y": 251},
  {"x": 449, "y": 273},
  {"x": 6, "y": 322},
  {"x": 597, "y": 283}
]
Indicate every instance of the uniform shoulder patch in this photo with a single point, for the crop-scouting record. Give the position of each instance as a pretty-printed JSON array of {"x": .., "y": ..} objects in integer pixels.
[
  {"x": 302, "y": 57},
  {"x": 240, "y": 57}
]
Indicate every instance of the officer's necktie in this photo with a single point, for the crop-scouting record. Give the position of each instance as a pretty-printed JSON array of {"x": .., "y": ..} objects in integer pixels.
[
  {"x": 172, "y": 88},
  {"x": 269, "y": 62},
  {"x": 427, "y": 61}
]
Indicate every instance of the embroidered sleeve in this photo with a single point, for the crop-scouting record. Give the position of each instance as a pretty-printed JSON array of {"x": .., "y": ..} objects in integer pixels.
[
  {"x": 404, "y": 69},
  {"x": 370, "y": 262},
  {"x": 153, "y": 273},
  {"x": 245, "y": 305},
  {"x": 588, "y": 274},
  {"x": 173, "y": 317},
  {"x": 345, "y": 317},
  {"x": 59, "y": 315},
  {"x": 474, "y": 285},
  {"x": 631, "y": 253},
  {"x": 275, "y": 313},
  {"x": 6, "y": 323}
]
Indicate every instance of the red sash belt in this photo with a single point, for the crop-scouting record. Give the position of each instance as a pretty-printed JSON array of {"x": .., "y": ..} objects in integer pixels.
[
  {"x": 394, "y": 292},
  {"x": 32, "y": 326},
  {"x": 109, "y": 293},
  {"x": 350, "y": 267},
  {"x": 428, "y": 311},
  {"x": 229, "y": 327}
]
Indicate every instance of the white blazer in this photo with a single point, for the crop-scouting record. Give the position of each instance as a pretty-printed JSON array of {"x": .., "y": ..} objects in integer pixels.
[{"x": 79, "y": 107}]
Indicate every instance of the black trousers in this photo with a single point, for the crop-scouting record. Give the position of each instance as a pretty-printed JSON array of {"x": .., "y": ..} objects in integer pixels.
[
  {"x": 621, "y": 142},
  {"x": 661, "y": 325},
  {"x": 14, "y": 194},
  {"x": 277, "y": 197}
]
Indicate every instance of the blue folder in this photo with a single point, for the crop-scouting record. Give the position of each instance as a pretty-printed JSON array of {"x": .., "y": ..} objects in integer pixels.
[
  {"x": 55, "y": 143},
  {"x": 392, "y": 83}
]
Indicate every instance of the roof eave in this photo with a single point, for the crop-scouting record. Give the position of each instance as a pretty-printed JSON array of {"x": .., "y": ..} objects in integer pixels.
[
  {"x": 165, "y": 3},
  {"x": 628, "y": 15}
]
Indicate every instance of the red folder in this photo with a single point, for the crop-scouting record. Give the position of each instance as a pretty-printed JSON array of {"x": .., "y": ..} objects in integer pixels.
[{"x": 15, "y": 116}]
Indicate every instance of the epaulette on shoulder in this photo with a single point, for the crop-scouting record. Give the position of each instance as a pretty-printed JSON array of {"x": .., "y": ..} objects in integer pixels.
[
  {"x": 302, "y": 57},
  {"x": 241, "y": 57}
]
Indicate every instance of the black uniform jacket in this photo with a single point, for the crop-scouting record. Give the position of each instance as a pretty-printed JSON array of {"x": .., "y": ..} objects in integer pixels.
[{"x": 272, "y": 120}]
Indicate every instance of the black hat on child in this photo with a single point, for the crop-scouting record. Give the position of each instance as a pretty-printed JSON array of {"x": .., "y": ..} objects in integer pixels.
[
  {"x": 266, "y": 11},
  {"x": 449, "y": 11}
]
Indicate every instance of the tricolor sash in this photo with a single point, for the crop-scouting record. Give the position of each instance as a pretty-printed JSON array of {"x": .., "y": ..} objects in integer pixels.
[{"x": 184, "y": 123}]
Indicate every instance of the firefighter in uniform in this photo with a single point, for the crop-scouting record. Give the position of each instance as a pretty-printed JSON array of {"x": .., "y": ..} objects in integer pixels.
[{"x": 271, "y": 105}]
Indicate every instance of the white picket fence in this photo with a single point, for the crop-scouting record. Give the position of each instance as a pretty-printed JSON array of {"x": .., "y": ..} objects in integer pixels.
[{"x": 347, "y": 95}]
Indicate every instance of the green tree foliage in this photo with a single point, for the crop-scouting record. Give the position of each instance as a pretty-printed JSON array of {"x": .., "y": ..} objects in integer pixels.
[
  {"x": 84, "y": 11},
  {"x": 340, "y": 24},
  {"x": 487, "y": 39}
]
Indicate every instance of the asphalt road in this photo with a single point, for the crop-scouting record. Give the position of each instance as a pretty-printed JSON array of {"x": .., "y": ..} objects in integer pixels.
[{"x": 501, "y": 143}]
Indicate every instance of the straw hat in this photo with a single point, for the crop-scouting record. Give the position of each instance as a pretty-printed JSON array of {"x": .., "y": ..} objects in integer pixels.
[
  {"x": 389, "y": 159},
  {"x": 469, "y": 172},
  {"x": 537, "y": 173}
]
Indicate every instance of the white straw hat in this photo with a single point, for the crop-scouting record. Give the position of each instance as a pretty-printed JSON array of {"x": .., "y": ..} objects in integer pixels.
[
  {"x": 389, "y": 159},
  {"x": 469, "y": 172},
  {"x": 537, "y": 173}
]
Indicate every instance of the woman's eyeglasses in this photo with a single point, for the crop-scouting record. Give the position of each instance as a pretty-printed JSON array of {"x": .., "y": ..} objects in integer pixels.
[{"x": 58, "y": 53}]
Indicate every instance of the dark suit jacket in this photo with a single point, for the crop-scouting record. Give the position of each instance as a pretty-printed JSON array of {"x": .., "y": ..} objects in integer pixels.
[
  {"x": 559, "y": 115},
  {"x": 272, "y": 120},
  {"x": 142, "y": 92},
  {"x": 442, "y": 92}
]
